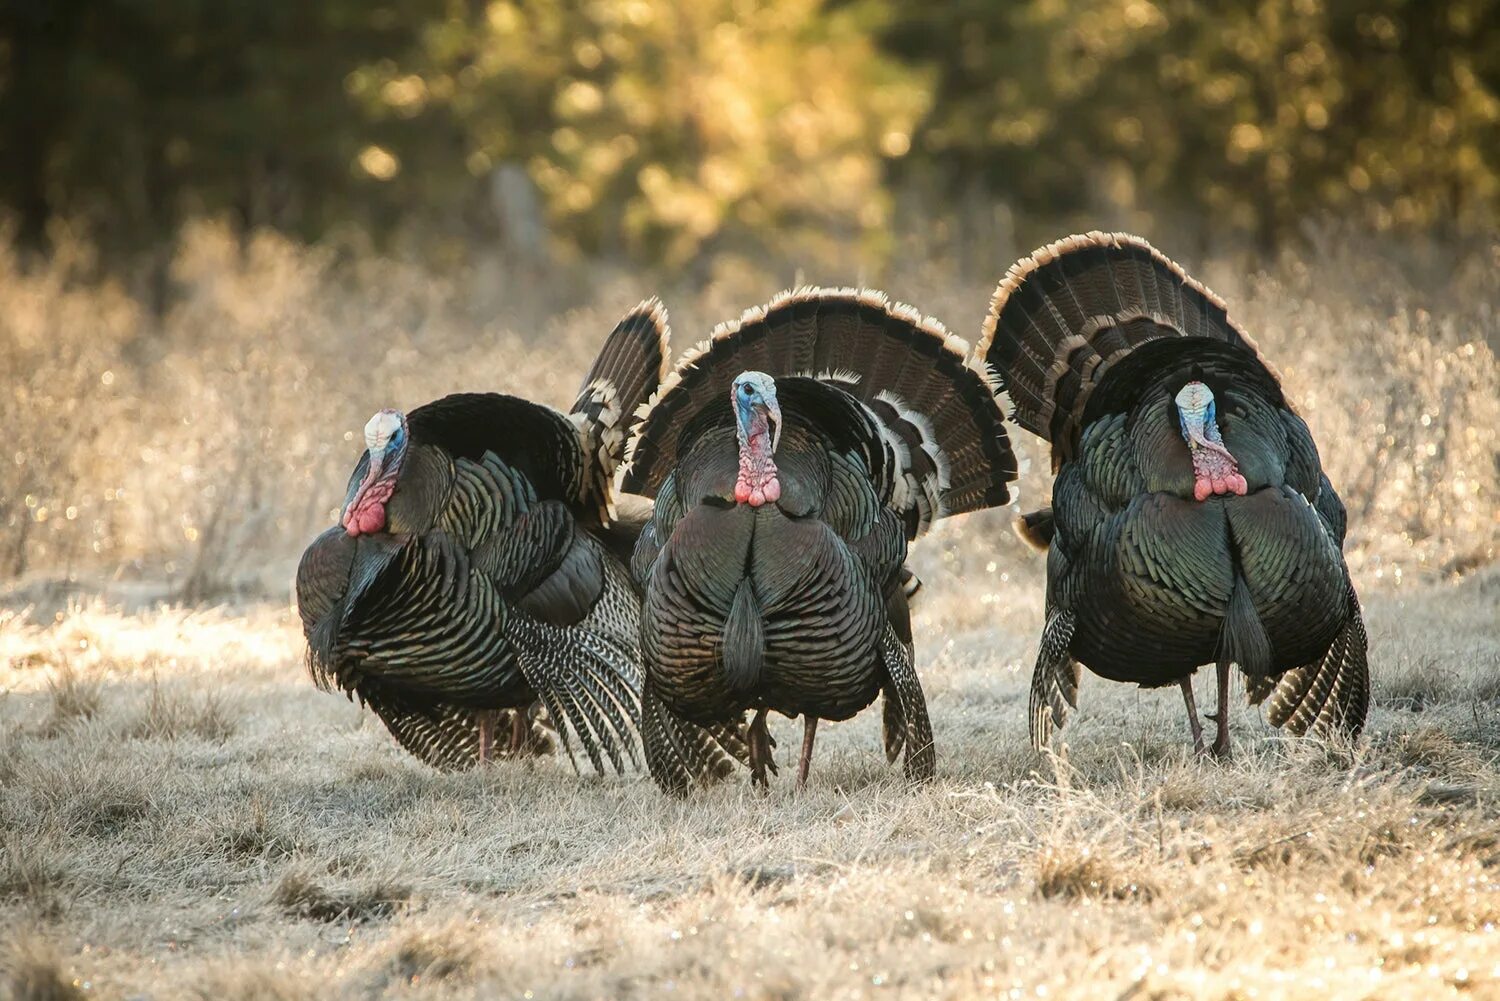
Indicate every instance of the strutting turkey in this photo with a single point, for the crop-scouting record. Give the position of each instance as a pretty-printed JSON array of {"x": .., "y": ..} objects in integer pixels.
[
  {"x": 1191, "y": 521},
  {"x": 792, "y": 457},
  {"x": 470, "y": 573}
]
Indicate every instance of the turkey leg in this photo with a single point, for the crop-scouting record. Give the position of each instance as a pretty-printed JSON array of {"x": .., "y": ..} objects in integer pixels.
[
  {"x": 760, "y": 750},
  {"x": 809, "y": 728},
  {"x": 520, "y": 732},
  {"x": 1192, "y": 711},
  {"x": 1221, "y": 718},
  {"x": 486, "y": 719}
]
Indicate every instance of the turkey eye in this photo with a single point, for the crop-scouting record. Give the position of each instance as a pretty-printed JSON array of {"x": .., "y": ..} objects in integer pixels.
[{"x": 746, "y": 390}]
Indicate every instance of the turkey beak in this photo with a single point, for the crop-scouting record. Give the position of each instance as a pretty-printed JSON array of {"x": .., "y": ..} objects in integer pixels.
[{"x": 773, "y": 418}]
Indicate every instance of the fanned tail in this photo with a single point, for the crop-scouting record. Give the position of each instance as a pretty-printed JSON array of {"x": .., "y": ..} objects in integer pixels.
[
  {"x": 589, "y": 685},
  {"x": 681, "y": 754},
  {"x": 936, "y": 410},
  {"x": 1075, "y": 310}
]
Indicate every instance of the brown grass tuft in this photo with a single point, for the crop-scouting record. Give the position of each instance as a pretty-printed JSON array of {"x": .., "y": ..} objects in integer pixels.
[
  {"x": 1084, "y": 873},
  {"x": 1432, "y": 748},
  {"x": 31, "y": 871},
  {"x": 97, "y": 800},
  {"x": 253, "y": 833},
  {"x": 171, "y": 714},
  {"x": 74, "y": 699},
  {"x": 299, "y": 895},
  {"x": 449, "y": 952},
  {"x": 262, "y": 982},
  {"x": 32, "y": 970}
]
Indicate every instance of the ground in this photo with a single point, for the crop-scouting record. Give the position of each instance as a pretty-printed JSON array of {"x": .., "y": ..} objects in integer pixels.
[{"x": 183, "y": 815}]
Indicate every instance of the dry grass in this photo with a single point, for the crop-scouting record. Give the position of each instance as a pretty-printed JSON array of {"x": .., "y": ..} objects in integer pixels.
[
  {"x": 31, "y": 971},
  {"x": 291, "y": 851},
  {"x": 207, "y": 447}
]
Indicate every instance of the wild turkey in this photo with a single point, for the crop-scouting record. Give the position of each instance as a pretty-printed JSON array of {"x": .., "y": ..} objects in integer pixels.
[
  {"x": 1191, "y": 521},
  {"x": 465, "y": 578},
  {"x": 792, "y": 457}
]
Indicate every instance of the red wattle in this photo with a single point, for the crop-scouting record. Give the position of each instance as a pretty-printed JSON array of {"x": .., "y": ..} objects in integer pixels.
[
  {"x": 366, "y": 513},
  {"x": 1216, "y": 473},
  {"x": 767, "y": 491}
]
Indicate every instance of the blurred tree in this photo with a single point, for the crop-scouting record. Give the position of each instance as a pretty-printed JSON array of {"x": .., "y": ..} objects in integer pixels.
[
  {"x": 1256, "y": 115},
  {"x": 663, "y": 130},
  {"x": 127, "y": 116},
  {"x": 658, "y": 129}
]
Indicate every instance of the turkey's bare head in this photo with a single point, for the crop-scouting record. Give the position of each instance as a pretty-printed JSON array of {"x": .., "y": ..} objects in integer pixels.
[
  {"x": 386, "y": 441},
  {"x": 1215, "y": 470},
  {"x": 757, "y": 418}
]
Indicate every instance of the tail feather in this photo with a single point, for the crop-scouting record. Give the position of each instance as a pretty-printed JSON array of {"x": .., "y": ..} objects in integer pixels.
[
  {"x": 1054, "y": 680},
  {"x": 588, "y": 685},
  {"x": 904, "y": 689},
  {"x": 632, "y": 363},
  {"x": 444, "y": 735},
  {"x": 906, "y": 368},
  {"x": 680, "y": 754},
  {"x": 1067, "y": 315},
  {"x": 1332, "y": 695},
  {"x": 630, "y": 367}
]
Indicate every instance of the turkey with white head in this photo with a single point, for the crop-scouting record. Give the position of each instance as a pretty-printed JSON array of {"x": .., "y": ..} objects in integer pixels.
[
  {"x": 470, "y": 575},
  {"x": 792, "y": 458},
  {"x": 1191, "y": 521}
]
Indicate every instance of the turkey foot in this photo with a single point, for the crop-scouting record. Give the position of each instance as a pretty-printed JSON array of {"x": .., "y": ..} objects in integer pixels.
[
  {"x": 1220, "y": 749},
  {"x": 760, "y": 751},
  {"x": 809, "y": 728},
  {"x": 1192, "y": 711},
  {"x": 486, "y": 719}
]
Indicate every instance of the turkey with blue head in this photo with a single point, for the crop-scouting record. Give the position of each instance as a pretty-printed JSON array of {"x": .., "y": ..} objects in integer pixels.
[
  {"x": 1191, "y": 521},
  {"x": 792, "y": 457},
  {"x": 475, "y": 576}
]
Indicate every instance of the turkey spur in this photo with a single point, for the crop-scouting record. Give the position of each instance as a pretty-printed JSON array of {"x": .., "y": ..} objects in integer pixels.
[
  {"x": 469, "y": 575},
  {"x": 792, "y": 457},
  {"x": 1191, "y": 521}
]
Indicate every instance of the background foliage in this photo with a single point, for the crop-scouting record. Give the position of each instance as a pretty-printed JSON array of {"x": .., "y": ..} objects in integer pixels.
[{"x": 659, "y": 130}]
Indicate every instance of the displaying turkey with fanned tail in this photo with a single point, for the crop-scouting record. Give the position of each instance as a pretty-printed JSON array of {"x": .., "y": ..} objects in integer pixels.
[
  {"x": 792, "y": 457},
  {"x": 470, "y": 582},
  {"x": 1191, "y": 521}
]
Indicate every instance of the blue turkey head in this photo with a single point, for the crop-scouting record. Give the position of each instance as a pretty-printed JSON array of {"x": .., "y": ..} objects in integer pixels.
[
  {"x": 757, "y": 419},
  {"x": 386, "y": 439}
]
